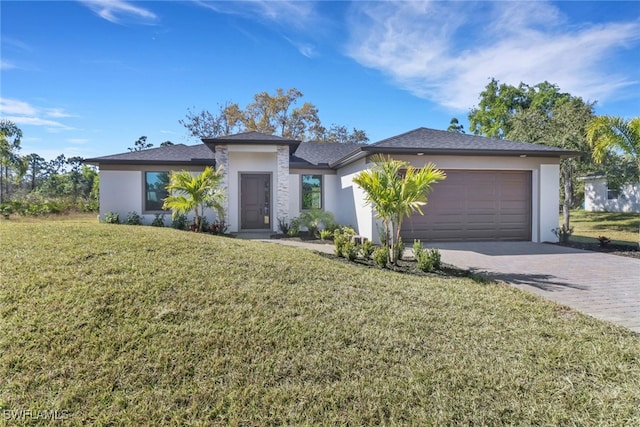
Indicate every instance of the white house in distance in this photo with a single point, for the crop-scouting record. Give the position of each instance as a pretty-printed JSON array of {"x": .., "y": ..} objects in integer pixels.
[
  {"x": 494, "y": 190},
  {"x": 598, "y": 197}
]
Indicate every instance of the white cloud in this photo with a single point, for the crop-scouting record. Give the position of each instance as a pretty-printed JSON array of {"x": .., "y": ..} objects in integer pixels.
[
  {"x": 6, "y": 65},
  {"x": 13, "y": 106},
  {"x": 58, "y": 113},
  {"x": 77, "y": 141},
  {"x": 447, "y": 51},
  {"x": 23, "y": 113},
  {"x": 285, "y": 13},
  {"x": 117, "y": 11}
]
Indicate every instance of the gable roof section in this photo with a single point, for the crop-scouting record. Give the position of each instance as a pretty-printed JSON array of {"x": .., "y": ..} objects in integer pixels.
[
  {"x": 321, "y": 154},
  {"x": 440, "y": 142},
  {"x": 171, "y": 154},
  {"x": 255, "y": 138}
]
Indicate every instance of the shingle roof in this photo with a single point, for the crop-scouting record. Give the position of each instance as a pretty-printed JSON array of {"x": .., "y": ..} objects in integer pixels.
[
  {"x": 171, "y": 154},
  {"x": 326, "y": 154},
  {"x": 313, "y": 153},
  {"x": 444, "y": 142}
]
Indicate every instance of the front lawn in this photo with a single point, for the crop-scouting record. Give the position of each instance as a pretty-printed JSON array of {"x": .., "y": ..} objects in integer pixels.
[
  {"x": 129, "y": 325},
  {"x": 621, "y": 228}
]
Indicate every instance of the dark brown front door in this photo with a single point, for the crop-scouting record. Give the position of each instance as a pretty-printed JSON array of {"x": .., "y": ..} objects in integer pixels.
[{"x": 255, "y": 201}]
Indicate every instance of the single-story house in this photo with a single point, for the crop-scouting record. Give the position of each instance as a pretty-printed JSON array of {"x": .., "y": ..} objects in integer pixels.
[
  {"x": 495, "y": 189},
  {"x": 598, "y": 197}
]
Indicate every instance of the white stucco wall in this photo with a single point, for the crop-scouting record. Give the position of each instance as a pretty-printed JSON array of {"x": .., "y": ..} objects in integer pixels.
[
  {"x": 350, "y": 206},
  {"x": 544, "y": 189},
  {"x": 596, "y": 200},
  {"x": 122, "y": 191}
]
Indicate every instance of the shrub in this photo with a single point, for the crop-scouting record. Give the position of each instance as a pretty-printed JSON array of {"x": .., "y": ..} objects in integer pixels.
[
  {"x": 158, "y": 221},
  {"x": 603, "y": 241},
  {"x": 6, "y": 210},
  {"x": 381, "y": 256},
  {"x": 219, "y": 228},
  {"x": 179, "y": 222},
  {"x": 294, "y": 227},
  {"x": 133, "y": 218},
  {"x": 427, "y": 260},
  {"x": 563, "y": 233},
  {"x": 349, "y": 250},
  {"x": 283, "y": 226},
  {"x": 112, "y": 218},
  {"x": 326, "y": 234},
  {"x": 314, "y": 218},
  {"x": 366, "y": 249},
  {"x": 342, "y": 236}
]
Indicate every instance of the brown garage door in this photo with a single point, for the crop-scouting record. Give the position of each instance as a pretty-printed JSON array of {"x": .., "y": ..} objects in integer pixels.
[{"x": 475, "y": 205}]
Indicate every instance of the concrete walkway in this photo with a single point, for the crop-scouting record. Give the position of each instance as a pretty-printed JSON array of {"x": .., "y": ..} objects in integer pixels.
[{"x": 602, "y": 285}]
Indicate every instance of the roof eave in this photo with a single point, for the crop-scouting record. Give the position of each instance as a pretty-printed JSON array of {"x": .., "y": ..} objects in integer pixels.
[
  {"x": 199, "y": 162},
  {"x": 471, "y": 152}
]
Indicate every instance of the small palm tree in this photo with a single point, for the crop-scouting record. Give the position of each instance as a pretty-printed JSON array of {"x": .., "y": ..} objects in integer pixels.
[
  {"x": 396, "y": 190},
  {"x": 606, "y": 133},
  {"x": 189, "y": 192}
]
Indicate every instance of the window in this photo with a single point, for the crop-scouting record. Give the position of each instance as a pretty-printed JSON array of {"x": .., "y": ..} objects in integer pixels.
[
  {"x": 612, "y": 194},
  {"x": 311, "y": 192},
  {"x": 155, "y": 190}
]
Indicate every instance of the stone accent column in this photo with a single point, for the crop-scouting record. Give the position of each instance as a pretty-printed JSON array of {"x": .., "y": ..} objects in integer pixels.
[
  {"x": 222, "y": 159},
  {"x": 282, "y": 187}
]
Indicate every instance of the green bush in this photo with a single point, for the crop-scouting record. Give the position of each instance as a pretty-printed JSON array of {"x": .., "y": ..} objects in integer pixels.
[
  {"x": 326, "y": 234},
  {"x": 342, "y": 236},
  {"x": 294, "y": 227},
  {"x": 427, "y": 260},
  {"x": 366, "y": 249},
  {"x": 112, "y": 218},
  {"x": 381, "y": 256},
  {"x": 350, "y": 250},
  {"x": 158, "y": 221},
  {"x": 314, "y": 218},
  {"x": 133, "y": 218},
  {"x": 179, "y": 222}
]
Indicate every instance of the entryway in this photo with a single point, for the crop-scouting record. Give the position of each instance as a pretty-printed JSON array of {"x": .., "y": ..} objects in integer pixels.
[{"x": 255, "y": 201}]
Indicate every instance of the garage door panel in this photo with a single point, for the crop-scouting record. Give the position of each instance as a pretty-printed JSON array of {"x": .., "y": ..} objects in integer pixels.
[{"x": 475, "y": 205}]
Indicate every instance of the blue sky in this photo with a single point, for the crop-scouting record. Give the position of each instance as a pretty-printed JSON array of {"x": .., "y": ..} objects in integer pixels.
[{"x": 87, "y": 78}]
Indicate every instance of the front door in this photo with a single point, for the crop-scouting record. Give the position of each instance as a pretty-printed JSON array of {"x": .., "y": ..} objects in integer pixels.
[{"x": 255, "y": 201}]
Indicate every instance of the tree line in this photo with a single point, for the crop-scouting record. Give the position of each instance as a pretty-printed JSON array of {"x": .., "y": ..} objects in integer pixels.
[
  {"x": 31, "y": 184},
  {"x": 543, "y": 114},
  {"x": 273, "y": 114}
]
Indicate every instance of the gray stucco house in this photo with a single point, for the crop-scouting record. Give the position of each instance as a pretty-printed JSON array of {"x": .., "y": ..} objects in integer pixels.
[{"x": 494, "y": 190}]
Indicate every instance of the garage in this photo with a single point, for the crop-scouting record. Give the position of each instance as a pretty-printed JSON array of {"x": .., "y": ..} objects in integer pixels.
[{"x": 475, "y": 205}]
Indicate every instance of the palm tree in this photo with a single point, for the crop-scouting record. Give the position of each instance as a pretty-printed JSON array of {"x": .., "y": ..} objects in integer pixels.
[
  {"x": 396, "y": 190},
  {"x": 606, "y": 133},
  {"x": 188, "y": 192}
]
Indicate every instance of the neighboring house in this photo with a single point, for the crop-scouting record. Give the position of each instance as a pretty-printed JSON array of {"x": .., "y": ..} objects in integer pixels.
[
  {"x": 598, "y": 197},
  {"x": 494, "y": 190}
]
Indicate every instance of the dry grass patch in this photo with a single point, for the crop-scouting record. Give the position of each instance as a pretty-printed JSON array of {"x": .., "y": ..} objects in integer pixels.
[{"x": 131, "y": 325}]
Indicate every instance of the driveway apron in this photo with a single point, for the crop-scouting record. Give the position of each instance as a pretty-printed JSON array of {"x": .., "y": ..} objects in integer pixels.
[{"x": 602, "y": 285}]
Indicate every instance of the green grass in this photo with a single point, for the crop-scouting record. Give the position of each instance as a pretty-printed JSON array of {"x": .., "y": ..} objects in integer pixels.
[
  {"x": 130, "y": 325},
  {"x": 621, "y": 228}
]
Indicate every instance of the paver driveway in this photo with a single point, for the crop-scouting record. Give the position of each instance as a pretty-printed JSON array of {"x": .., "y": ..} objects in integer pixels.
[{"x": 602, "y": 285}]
